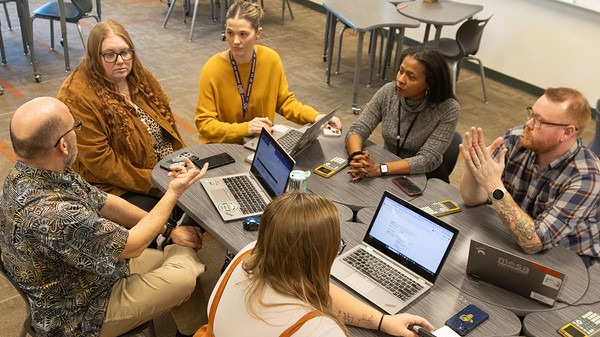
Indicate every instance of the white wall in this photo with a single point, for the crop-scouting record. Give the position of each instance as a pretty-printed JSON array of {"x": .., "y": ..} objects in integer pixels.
[{"x": 545, "y": 43}]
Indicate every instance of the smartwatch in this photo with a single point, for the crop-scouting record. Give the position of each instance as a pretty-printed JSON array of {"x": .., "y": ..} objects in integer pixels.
[
  {"x": 384, "y": 169},
  {"x": 498, "y": 194}
]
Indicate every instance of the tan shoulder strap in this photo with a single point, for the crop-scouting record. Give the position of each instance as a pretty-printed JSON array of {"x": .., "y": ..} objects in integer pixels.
[
  {"x": 207, "y": 330},
  {"x": 299, "y": 323}
]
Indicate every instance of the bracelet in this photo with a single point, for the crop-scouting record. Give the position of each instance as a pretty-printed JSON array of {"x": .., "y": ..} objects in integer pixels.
[
  {"x": 170, "y": 225},
  {"x": 380, "y": 321},
  {"x": 353, "y": 154}
]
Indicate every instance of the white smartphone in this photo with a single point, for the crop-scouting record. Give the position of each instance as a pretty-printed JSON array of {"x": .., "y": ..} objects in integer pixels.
[{"x": 331, "y": 132}]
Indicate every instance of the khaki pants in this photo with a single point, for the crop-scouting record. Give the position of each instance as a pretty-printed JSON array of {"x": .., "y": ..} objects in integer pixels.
[{"x": 159, "y": 282}]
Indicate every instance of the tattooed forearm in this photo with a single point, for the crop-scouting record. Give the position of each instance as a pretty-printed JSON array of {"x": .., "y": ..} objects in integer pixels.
[
  {"x": 365, "y": 321},
  {"x": 520, "y": 225}
]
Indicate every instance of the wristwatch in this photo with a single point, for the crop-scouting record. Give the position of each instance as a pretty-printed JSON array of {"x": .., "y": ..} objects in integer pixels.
[
  {"x": 384, "y": 169},
  {"x": 498, "y": 194}
]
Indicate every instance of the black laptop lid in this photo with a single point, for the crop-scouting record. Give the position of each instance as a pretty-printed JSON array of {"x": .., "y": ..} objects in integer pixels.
[
  {"x": 419, "y": 241},
  {"x": 271, "y": 165}
]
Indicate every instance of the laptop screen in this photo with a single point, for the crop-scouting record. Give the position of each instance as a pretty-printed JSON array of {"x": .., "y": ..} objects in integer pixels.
[
  {"x": 271, "y": 165},
  {"x": 417, "y": 240}
]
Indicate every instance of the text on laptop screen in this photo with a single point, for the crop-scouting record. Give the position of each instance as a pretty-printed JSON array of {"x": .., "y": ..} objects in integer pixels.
[
  {"x": 411, "y": 235},
  {"x": 271, "y": 166}
]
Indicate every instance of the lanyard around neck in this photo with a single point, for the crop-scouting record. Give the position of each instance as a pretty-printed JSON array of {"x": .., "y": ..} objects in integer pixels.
[
  {"x": 245, "y": 97},
  {"x": 398, "y": 146}
]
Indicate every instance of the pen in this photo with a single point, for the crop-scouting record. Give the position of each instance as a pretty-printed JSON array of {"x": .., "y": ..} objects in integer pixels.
[
  {"x": 402, "y": 7},
  {"x": 421, "y": 331}
]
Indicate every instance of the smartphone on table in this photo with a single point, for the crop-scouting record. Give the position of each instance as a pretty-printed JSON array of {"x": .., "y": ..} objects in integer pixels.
[
  {"x": 214, "y": 161},
  {"x": 467, "y": 319},
  {"x": 407, "y": 186}
]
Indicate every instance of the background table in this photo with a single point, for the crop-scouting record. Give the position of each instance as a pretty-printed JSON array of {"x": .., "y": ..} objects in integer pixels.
[
  {"x": 442, "y": 301},
  {"x": 362, "y": 16},
  {"x": 439, "y": 14}
]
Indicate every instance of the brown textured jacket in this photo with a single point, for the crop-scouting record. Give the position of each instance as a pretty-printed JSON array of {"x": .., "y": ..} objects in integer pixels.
[{"x": 106, "y": 158}]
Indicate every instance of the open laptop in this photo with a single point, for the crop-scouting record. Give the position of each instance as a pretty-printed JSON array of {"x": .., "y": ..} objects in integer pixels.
[
  {"x": 241, "y": 195},
  {"x": 401, "y": 239},
  {"x": 294, "y": 141},
  {"x": 514, "y": 273}
]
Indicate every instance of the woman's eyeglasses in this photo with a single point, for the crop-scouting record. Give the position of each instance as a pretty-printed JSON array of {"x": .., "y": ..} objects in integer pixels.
[{"x": 111, "y": 57}]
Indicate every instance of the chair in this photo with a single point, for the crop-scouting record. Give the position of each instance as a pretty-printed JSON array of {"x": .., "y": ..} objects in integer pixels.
[
  {"x": 4, "y": 2},
  {"x": 28, "y": 328},
  {"x": 466, "y": 45},
  {"x": 595, "y": 143},
  {"x": 186, "y": 11},
  {"x": 450, "y": 157},
  {"x": 283, "y": 4},
  {"x": 74, "y": 11},
  {"x": 2, "y": 54}
]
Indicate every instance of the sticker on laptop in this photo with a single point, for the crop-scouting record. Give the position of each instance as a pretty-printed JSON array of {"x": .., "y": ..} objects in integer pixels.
[{"x": 227, "y": 207}]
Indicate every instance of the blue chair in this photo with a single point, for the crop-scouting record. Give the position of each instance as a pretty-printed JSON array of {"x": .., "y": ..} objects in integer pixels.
[
  {"x": 595, "y": 143},
  {"x": 74, "y": 11}
]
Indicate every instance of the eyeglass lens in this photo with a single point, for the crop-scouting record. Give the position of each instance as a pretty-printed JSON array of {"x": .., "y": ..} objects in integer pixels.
[{"x": 111, "y": 57}]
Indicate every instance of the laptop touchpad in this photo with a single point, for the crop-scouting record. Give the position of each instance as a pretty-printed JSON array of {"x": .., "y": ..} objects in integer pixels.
[{"x": 359, "y": 283}]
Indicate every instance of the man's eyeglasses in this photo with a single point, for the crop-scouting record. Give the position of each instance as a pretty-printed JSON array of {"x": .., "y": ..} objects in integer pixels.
[
  {"x": 111, "y": 57},
  {"x": 342, "y": 246},
  {"x": 537, "y": 121},
  {"x": 75, "y": 127}
]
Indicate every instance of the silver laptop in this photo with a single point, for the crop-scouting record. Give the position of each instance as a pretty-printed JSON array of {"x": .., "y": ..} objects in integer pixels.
[
  {"x": 400, "y": 256},
  {"x": 241, "y": 195},
  {"x": 514, "y": 273},
  {"x": 294, "y": 141}
]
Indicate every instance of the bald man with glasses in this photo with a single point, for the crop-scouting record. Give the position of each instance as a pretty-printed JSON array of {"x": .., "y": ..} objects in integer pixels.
[
  {"x": 540, "y": 178},
  {"x": 80, "y": 254}
]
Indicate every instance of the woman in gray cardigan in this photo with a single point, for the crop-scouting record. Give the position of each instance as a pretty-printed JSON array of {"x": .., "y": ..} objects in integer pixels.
[{"x": 418, "y": 115}]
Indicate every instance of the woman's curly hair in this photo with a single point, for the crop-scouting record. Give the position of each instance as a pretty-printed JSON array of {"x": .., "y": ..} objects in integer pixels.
[{"x": 114, "y": 105}]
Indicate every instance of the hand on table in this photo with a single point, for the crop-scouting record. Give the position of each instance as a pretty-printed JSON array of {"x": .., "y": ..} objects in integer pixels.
[
  {"x": 333, "y": 122},
  {"x": 400, "y": 324},
  {"x": 255, "y": 125},
  {"x": 361, "y": 166}
]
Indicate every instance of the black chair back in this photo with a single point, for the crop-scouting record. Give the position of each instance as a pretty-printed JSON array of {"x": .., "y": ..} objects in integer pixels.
[
  {"x": 469, "y": 36},
  {"x": 83, "y": 6},
  {"x": 451, "y": 154}
]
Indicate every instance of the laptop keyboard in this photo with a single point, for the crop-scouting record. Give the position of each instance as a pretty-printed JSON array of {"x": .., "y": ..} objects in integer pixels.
[
  {"x": 289, "y": 139},
  {"x": 245, "y": 194},
  {"x": 393, "y": 280}
]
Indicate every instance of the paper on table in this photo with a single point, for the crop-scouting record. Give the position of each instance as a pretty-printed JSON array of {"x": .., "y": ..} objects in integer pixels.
[{"x": 445, "y": 331}]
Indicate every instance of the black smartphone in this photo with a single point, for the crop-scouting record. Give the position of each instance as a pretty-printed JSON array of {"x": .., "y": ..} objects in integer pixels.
[
  {"x": 216, "y": 160},
  {"x": 407, "y": 186},
  {"x": 467, "y": 319}
]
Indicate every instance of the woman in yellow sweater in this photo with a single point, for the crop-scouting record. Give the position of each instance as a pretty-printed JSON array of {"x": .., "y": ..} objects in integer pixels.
[{"x": 226, "y": 114}]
